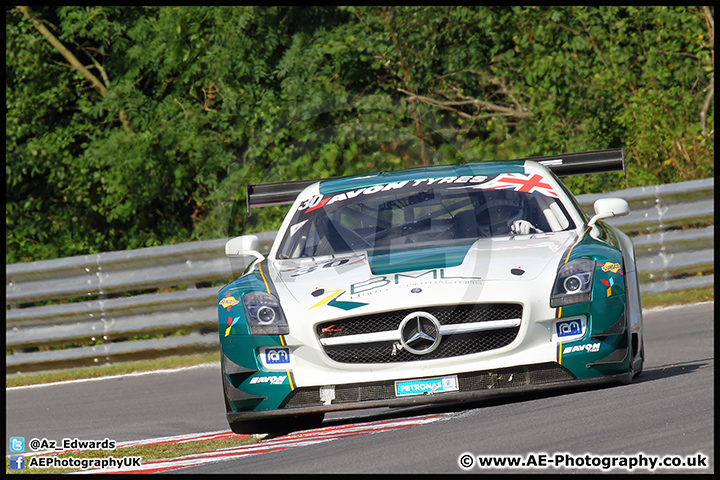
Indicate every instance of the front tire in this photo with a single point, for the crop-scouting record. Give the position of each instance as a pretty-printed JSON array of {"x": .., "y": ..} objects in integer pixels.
[
  {"x": 272, "y": 425},
  {"x": 638, "y": 364},
  {"x": 278, "y": 425}
]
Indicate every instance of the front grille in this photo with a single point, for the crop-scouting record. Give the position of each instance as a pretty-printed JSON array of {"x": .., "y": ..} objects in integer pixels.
[
  {"x": 505, "y": 378},
  {"x": 450, "y": 315},
  {"x": 451, "y": 345}
]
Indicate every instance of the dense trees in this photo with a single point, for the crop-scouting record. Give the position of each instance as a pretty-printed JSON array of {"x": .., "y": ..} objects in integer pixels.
[{"x": 149, "y": 135}]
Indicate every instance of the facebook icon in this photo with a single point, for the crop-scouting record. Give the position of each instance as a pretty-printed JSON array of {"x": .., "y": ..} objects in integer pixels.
[{"x": 17, "y": 462}]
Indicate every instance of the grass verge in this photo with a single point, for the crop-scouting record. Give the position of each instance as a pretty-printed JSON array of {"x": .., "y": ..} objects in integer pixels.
[
  {"x": 123, "y": 368},
  {"x": 678, "y": 298}
]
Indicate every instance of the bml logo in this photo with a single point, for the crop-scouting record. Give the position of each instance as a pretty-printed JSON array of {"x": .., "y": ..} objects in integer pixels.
[
  {"x": 571, "y": 327},
  {"x": 277, "y": 356},
  {"x": 17, "y": 462}
]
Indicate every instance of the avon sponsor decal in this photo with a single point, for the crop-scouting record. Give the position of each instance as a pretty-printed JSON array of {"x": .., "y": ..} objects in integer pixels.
[
  {"x": 319, "y": 201},
  {"x": 272, "y": 380},
  {"x": 588, "y": 347}
]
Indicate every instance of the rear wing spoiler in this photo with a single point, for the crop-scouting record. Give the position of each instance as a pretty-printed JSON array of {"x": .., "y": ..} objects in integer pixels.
[
  {"x": 585, "y": 163},
  {"x": 278, "y": 193},
  {"x": 599, "y": 161}
]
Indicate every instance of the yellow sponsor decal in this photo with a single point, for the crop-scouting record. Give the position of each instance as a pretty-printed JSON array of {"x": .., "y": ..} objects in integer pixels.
[
  {"x": 228, "y": 302},
  {"x": 611, "y": 267}
]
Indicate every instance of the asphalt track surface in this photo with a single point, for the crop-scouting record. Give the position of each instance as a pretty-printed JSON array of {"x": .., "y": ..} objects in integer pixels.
[{"x": 667, "y": 411}]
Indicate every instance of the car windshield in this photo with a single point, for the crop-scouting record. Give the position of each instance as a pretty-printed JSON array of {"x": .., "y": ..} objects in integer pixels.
[{"x": 415, "y": 213}]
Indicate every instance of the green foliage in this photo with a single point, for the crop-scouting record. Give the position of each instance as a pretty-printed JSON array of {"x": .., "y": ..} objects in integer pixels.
[{"x": 202, "y": 100}]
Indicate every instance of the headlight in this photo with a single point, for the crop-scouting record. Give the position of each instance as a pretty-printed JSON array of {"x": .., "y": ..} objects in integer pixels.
[
  {"x": 573, "y": 283},
  {"x": 264, "y": 315}
]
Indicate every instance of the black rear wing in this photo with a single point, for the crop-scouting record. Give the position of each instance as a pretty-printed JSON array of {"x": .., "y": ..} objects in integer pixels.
[
  {"x": 278, "y": 193},
  {"x": 600, "y": 161},
  {"x": 585, "y": 163}
]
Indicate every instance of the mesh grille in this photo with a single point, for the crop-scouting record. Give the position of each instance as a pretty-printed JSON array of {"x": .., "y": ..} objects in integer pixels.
[
  {"x": 450, "y": 345},
  {"x": 452, "y": 315},
  {"x": 539, "y": 374}
]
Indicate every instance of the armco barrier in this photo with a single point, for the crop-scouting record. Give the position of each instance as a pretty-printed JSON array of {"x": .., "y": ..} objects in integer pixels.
[{"x": 163, "y": 290}]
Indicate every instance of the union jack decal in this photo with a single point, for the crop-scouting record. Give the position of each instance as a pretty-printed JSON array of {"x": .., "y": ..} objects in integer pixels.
[{"x": 519, "y": 182}]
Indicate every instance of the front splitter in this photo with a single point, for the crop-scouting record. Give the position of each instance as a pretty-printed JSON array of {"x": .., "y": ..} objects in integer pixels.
[{"x": 428, "y": 399}]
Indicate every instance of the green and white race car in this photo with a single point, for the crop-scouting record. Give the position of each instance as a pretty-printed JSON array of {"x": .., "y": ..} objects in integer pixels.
[{"x": 428, "y": 285}]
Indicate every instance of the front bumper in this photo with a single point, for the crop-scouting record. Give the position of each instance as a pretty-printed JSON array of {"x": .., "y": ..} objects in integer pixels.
[
  {"x": 257, "y": 388},
  {"x": 472, "y": 385}
]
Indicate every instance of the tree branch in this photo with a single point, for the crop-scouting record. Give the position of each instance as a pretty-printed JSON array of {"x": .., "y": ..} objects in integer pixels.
[
  {"x": 100, "y": 68},
  {"x": 454, "y": 99},
  {"x": 74, "y": 62},
  {"x": 711, "y": 31},
  {"x": 418, "y": 128},
  {"x": 711, "y": 88},
  {"x": 498, "y": 110},
  {"x": 706, "y": 105},
  {"x": 72, "y": 59}
]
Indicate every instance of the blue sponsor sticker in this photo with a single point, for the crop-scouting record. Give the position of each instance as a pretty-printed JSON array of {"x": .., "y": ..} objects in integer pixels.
[
  {"x": 426, "y": 386},
  {"x": 277, "y": 356},
  {"x": 569, "y": 328}
]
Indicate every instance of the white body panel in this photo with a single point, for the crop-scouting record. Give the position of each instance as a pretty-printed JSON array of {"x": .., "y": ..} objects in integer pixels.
[{"x": 484, "y": 277}]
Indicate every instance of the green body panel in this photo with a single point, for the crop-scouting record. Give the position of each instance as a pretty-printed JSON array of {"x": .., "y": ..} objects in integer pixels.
[
  {"x": 407, "y": 260},
  {"x": 242, "y": 349},
  {"x": 606, "y": 308},
  {"x": 479, "y": 168},
  {"x": 599, "y": 313}
]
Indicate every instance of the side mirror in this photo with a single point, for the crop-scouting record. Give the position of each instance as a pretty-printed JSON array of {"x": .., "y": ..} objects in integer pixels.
[
  {"x": 246, "y": 245},
  {"x": 609, "y": 207}
]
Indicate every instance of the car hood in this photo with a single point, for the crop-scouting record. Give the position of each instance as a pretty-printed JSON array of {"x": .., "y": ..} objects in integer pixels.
[{"x": 348, "y": 281}]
